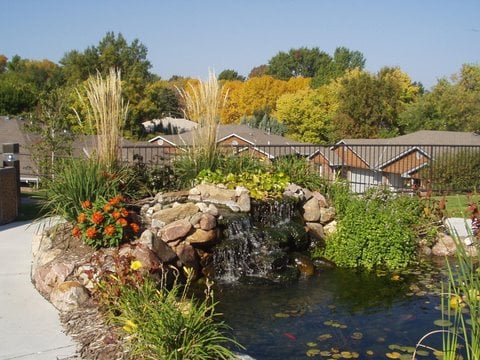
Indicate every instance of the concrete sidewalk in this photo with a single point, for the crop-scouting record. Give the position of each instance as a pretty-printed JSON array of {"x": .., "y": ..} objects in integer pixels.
[{"x": 29, "y": 325}]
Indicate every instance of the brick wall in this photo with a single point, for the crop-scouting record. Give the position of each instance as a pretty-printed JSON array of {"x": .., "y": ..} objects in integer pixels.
[{"x": 9, "y": 199}]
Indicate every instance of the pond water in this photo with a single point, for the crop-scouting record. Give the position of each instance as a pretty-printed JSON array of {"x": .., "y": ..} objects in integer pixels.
[{"x": 337, "y": 314}]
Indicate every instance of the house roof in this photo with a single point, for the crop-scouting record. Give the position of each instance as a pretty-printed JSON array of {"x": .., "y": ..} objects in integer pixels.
[
  {"x": 422, "y": 137},
  {"x": 378, "y": 153},
  {"x": 11, "y": 131},
  {"x": 254, "y": 136}
]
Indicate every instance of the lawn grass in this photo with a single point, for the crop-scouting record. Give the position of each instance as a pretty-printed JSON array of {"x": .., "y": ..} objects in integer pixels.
[{"x": 457, "y": 204}]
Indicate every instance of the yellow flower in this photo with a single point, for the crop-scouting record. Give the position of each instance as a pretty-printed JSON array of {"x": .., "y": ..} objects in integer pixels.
[
  {"x": 135, "y": 265},
  {"x": 130, "y": 326}
]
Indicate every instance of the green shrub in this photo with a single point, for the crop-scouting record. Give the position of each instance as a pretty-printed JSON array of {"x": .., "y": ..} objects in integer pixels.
[
  {"x": 77, "y": 180},
  {"x": 376, "y": 230}
]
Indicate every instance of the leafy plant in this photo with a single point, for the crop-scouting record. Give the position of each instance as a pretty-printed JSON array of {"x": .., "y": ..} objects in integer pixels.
[
  {"x": 300, "y": 172},
  {"x": 105, "y": 223},
  {"x": 261, "y": 184},
  {"x": 164, "y": 323},
  {"x": 76, "y": 180},
  {"x": 377, "y": 230}
]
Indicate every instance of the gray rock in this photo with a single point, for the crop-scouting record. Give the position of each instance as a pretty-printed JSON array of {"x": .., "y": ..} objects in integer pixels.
[
  {"x": 163, "y": 251},
  {"x": 156, "y": 223},
  {"x": 208, "y": 222},
  {"x": 330, "y": 228},
  {"x": 176, "y": 230},
  {"x": 68, "y": 295},
  {"x": 146, "y": 239},
  {"x": 321, "y": 199},
  {"x": 47, "y": 276},
  {"x": 311, "y": 210},
  {"x": 232, "y": 205},
  {"x": 445, "y": 246},
  {"x": 202, "y": 237},
  {"x": 202, "y": 206},
  {"x": 327, "y": 215},
  {"x": 195, "y": 219},
  {"x": 212, "y": 210},
  {"x": 180, "y": 211},
  {"x": 316, "y": 230},
  {"x": 215, "y": 194},
  {"x": 243, "y": 202}
]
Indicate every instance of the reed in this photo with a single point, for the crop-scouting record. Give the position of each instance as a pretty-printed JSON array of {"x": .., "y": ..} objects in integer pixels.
[
  {"x": 106, "y": 114},
  {"x": 203, "y": 104}
]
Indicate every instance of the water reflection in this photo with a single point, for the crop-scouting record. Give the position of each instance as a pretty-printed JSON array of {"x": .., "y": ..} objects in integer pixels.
[{"x": 336, "y": 314}]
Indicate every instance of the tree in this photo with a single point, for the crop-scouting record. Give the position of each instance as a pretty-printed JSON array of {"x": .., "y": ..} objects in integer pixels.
[
  {"x": 343, "y": 60},
  {"x": 3, "y": 63},
  {"x": 113, "y": 51},
  {"x": 452, "y": 105},
  {"x": 160, "y": 100},
  {"x": 257, "y": 93},
  {"x": 230, "y": 75},
  {"x": 23, "y": 81},
  {"x": 308, "y": 114},
  {"x": 370, "y": 105},
  {"x": 258, "y": 71},
  {"x": 298, "y": 62},
  {"x": 49, "y": 121}
]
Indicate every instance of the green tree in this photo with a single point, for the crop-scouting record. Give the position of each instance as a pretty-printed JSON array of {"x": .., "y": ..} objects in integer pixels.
[
  {"x": 452, "y": 105},
  {"x": 343, "y": 60},
  {"x": 113, "y": 51},
  {"x": 230, "y": 75},
  {"x": 22, "y": 82},
  {"x": 370, "y": 104},
  {"x": 298, "y": 62}
]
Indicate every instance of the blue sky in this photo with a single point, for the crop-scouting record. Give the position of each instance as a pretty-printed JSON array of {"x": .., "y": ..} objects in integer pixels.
[{"x": 428, "y": 39}]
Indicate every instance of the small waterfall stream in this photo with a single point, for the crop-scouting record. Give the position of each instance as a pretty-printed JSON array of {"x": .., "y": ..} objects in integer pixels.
[{"x": 256, "y": 245}]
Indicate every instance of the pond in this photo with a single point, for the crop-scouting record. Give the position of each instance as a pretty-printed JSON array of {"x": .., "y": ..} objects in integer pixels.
[{"x": 337, "y": 314}]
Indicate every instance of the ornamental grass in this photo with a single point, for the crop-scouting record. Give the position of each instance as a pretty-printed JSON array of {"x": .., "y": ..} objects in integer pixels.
[{"x": 106, "y": 114}]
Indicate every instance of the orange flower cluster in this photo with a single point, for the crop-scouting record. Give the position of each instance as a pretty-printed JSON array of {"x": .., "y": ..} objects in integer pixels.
[{"x": 105, "y": 223}]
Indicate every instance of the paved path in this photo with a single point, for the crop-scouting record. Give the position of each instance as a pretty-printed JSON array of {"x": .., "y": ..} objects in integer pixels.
[{"x": 30, "y": 328}]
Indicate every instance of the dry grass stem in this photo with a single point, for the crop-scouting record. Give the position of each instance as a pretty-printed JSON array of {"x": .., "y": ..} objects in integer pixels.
[{"x": 107, "y": 113}]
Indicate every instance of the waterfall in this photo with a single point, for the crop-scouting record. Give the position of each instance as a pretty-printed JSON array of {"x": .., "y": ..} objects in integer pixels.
[{"x": 255, "y": 245}]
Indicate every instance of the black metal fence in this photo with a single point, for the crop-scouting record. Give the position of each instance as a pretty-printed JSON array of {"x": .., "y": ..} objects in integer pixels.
[{"x": 401, "y": 168}]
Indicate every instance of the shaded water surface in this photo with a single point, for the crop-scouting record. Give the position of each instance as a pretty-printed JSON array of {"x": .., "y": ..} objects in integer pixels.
[{"x": 337, "y": 314}]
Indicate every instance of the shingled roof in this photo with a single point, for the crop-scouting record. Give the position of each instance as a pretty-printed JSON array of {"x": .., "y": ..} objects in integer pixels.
[{"x": 254, "y": 136}]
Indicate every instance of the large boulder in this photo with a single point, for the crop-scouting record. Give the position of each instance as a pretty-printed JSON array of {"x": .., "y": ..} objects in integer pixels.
[
  {"x": 311, "y": 210},
  {"x": 175, "y": 230},
  {"x": 68, "y": 295},
  {"x": 47, "y": 277},
  {"x": 180, "y": 211}
]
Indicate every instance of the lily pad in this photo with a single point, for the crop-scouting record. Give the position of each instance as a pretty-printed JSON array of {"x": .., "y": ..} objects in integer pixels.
[
  {"x": 311, "y": 344},
  {"x": 442, "y": 323},
  {"x": 393, "y": 355},
  {"x": 313, "y": 352},
  {"x": 369, "y": 352},
  {"x": 324, "y": 337},
  {"x": 422, "y": 353},
  {"x": 281, "y": 315},
  {"x": 357, "y": 335}
]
